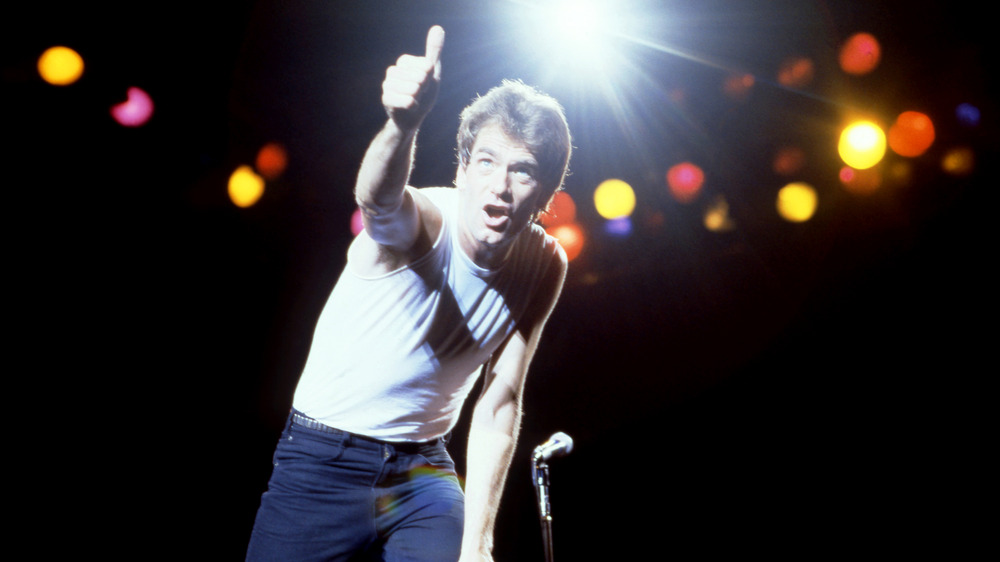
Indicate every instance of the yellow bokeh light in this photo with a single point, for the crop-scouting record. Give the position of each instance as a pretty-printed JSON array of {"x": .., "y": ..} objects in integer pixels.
[
  {"x": 60, "y": 66},
  {"x": 614, "y": 199},
  {"x": 245, "y": 187},
  {"x": 797, "y": 202},
  {"x": 862, "y": 145},
  {"x": 716, "y": 218}
]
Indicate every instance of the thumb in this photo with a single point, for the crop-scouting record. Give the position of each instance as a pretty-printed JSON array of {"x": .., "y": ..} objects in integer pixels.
[{"x": 435, "y": 43}]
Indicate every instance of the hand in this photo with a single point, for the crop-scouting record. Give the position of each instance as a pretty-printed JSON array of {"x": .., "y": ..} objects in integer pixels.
[{"x": 411, "y": 85}]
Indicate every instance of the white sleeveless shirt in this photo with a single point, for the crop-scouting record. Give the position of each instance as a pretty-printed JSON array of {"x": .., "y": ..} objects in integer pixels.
[{"x": 395, "y": 356}]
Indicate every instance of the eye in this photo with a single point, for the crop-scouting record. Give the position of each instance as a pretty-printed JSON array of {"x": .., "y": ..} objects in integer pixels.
[{"x": 485, "y": 163}]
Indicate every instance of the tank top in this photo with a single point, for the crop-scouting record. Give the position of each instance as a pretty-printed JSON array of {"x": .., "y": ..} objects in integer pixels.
[{"x": 395, "y": 356}]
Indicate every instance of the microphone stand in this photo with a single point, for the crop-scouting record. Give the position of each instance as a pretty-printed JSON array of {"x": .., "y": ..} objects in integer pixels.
[{"x": 540, "y": 477}]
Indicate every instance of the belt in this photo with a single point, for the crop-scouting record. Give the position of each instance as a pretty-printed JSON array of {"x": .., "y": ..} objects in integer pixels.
[{"x": 307, "y": 422}]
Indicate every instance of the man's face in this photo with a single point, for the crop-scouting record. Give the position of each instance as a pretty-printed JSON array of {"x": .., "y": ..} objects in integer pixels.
[{"x": 499, "y": 194}]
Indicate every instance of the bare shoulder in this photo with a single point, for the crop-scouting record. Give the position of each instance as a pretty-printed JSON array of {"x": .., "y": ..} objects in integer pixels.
[{"x": 370, "y": 257}]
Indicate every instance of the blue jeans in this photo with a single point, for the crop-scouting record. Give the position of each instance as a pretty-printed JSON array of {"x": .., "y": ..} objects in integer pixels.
[{"x": 334, "y": 495}]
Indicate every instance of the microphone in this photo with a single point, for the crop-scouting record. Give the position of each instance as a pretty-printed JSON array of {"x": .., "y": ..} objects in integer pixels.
[{"x": 559, "y": 445}]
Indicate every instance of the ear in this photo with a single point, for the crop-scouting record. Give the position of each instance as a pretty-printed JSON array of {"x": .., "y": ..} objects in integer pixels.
[{"x": 460, "y": 176}]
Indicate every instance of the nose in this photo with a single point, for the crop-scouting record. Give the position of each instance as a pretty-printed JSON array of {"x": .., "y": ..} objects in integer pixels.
[{"x": 500, "y": 186}]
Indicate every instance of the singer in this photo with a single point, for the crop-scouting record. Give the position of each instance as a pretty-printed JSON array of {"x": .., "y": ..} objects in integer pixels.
[{"x": 444, "y": 283}]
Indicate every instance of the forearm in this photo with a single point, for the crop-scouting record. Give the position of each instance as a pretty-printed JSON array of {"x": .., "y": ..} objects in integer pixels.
[
  {"x": 492, "y": 440},
  {"x": 385, "y": 170}
]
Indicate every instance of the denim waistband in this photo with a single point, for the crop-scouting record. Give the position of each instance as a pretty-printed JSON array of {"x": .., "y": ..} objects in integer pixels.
[{"x": 298, "y": 418}]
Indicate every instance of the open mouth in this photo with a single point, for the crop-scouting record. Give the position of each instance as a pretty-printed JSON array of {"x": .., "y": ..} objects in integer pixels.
[{"x": 496, "y": 215}]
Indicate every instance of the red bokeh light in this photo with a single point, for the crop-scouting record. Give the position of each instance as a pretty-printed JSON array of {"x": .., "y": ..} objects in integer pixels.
[
  {"x": 684, "y": 181},
  {"x": 860, "y": 54}
]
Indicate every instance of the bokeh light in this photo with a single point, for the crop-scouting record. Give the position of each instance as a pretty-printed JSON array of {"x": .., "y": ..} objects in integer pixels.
[
  {"x": 622, "y": 226},
  {"x": 60, "y": 66},
  {"x": 614, "y": 199},
  {"x": 245, "y": 187},
  {"x": 789, "y": 160},
  {"x": 912, "y": 134},
  {"x": 570, "y": 237},
  {"x": 738, "y": 86},
  {"x": 561, "y": 210},
  {"x": 272, "y": 159},
  {"x": 797, "y": 202},
  {"x": 357, "y": 222},
  {"x": 861, "y": 182},
  {"x": 959, "y": 161},
  {"x": 716, "y": 218},
  {"x": 967, "y": 114},
  {"x": 796, "y": 72},
  {"x": 684, "y": 181},
  {"x": 862, "y": 145},
  {"x": 135, "y": 111},
  {"x": 860, "y": 54}
]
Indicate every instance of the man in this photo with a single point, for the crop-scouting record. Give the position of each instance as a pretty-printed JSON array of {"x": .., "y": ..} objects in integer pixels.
[{"x": 441, "y": 282}]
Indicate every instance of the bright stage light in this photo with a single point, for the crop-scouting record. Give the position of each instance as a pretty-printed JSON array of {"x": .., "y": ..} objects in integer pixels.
[
  {"x": 862, "y": 145},
  {"x": 575, "y": 35}
]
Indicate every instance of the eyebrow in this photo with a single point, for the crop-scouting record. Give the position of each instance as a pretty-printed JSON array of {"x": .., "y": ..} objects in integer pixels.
[{"x": 528, "y": 161}]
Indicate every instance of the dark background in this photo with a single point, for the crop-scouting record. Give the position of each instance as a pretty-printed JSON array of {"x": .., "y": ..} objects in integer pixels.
[{"x": 788, "y": 390}]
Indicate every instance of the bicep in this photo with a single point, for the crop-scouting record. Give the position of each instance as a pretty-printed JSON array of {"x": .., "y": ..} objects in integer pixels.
[{"x": 397, "y": 228}]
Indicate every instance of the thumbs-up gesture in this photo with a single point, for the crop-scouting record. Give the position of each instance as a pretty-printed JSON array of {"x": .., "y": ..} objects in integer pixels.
[{"x": 411, "y": 85}]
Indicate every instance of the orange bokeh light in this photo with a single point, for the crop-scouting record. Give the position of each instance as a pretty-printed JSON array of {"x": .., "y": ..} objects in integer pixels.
[
  {"x": 571, "y": 238},
  {"x": 912, "y": 134},
  {"x": 561, "y": 210},
  {"x": 860, "y": 54},
  {"x": 738, "y": 85},
  {"x": 685, "y": 181}
]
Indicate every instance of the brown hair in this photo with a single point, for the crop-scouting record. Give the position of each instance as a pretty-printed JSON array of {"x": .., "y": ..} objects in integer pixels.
[{"x": 528, "y": 116}]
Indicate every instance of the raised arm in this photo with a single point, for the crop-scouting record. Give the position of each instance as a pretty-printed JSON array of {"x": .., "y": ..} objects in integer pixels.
[
  {"x": 496, "y": 422},
  {"x": 410, "y": 88}
]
